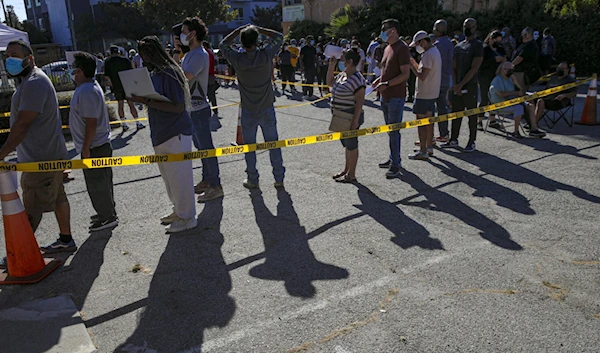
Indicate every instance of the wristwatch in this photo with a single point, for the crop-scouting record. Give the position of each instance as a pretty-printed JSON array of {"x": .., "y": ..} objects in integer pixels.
[{"x": 387, "y": 83}]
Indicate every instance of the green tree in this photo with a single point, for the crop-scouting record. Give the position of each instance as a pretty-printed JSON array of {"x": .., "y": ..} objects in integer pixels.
[
  {"x": 126, "y": 21},
  {"x": 167, "y": 13},
  {"x": 301, "y": 29},
  {"x": 12, "y": 19},
  {"x": 35, "y": 35},
  {"x": 565, "y": 8},
  {"x": 267, "y": 17},
  {"x": 86, "y": 31}
]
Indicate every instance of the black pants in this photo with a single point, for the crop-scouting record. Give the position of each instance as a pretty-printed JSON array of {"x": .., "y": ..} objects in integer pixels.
[
  {"x": 212, "y": 93},
  {"x": 287, "y": 75},
  {"x": 322, "y": 76},
  {"x": 309, "y": 78},
  {"x": 99, "y": 183},
  {"x": 465, "y": 101},
  {"x": 412, "y": 84}
]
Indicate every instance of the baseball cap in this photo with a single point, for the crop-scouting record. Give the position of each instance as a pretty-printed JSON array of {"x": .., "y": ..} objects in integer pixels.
[{"x": 420, "y": 35}]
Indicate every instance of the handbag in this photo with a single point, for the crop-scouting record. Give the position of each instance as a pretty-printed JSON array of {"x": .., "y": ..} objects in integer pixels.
[{"x": 340, "y": 120}]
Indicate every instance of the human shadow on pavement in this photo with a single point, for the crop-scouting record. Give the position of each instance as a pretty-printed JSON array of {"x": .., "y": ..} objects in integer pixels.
[
  {"x": 407, "y": 232},
  {"x": 189, "y": 292},
  {"x": 440, "y": 201},
  {"x": 501, "y": 168},
  {"x": 287, "y": 254},
  {"x": 504, "y": 197},
  {"x": 76, "y": 279},
  {"x": 121, "y": 142},
  {"x": 551, "y": 146}
]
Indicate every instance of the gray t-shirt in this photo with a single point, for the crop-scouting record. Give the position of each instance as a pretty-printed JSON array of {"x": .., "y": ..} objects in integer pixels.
[
  {"x": 88, "y": 102},
  {"x": 44, "y": 140},
  {"x": 464, "y": 54},
  {"x": 430, "y": 87},
  {"x": 254, "y": 71},
  {"x": 197, "y": 63}
]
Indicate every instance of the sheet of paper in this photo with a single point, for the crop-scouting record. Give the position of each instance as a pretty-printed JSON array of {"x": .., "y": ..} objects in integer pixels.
[{"x": 369, "y": 90}]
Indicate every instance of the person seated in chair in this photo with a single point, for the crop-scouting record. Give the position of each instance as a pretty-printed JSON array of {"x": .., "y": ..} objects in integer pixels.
[
  {"x": 504, "y": 87},
  {"x": 559, "y": 100}
]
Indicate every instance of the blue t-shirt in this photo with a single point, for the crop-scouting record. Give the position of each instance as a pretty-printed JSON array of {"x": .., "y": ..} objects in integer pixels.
[
  {"x": 446, "y": 48},
  {"x": 163, "y": 125},
  {"x": 499, "y": 84}
]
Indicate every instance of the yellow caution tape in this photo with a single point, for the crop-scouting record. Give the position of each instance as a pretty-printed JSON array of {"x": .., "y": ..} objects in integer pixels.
[{"x": 89, "y": 163}]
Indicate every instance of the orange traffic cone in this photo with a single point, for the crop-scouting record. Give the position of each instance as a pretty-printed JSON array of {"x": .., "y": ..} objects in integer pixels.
[
  {"x": 239, "y": 139},
  {"x": 572, "y": 72},
  {"x": 24, "y": 260},
  {"x": 589, "y": 117}
]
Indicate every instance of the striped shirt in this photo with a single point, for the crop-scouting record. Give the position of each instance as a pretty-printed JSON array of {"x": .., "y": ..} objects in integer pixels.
[{"x": 344, "y": 88}]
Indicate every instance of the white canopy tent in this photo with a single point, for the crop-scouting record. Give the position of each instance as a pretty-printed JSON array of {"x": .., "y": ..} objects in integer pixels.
[{"x": 8, "y": 34}]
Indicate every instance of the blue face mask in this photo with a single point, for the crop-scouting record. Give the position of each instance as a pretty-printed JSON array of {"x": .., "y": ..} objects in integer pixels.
[
  {"x": 384, "y": 36},
  {"x": 312, "y": 42},
  {"x": 14, "y": 66},
  {"x": 503, "y": 33},
  {"x": 342, "y": 66}
]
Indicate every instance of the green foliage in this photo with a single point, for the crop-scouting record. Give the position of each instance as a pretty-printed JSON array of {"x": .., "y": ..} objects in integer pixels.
[
  {"x": 127, "y": 21},
  {"x": 301, "y": 29},
  {"x": 35, "y": 35},
  {"x": 168, "y": 13},
  {"x": 267, "y": 17},
  {"x": 567, "y": 8}
]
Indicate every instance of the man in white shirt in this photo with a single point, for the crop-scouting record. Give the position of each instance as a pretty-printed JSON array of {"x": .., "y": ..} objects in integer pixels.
[{"x": 429, "y": 75}]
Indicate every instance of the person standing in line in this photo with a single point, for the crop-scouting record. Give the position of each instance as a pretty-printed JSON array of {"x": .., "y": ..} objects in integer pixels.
[
  {"x": 88, "y": 119},
  {"x": 429, "y": 75},
  {"x": 526, "y": 61},
  {"x": 254, "y": 68},
  {"x": 36, "y": 134},
  {"x": 371, "y": 63},
  {"x": 468, "y": 56},
  {"x": 171, "y": 132},
  {"x": 100, "y": 70},
  {"x": 548, "y": 49},
  {"x": 112, "y": 66},
  {"x": 195, "y": 66},
  {"x": 322, "y": 65},
  {"x": 508, "y": 42},
  {"x": 446, "y": 49},
  {"x": 395, "y": 70},
  {"x": 308, "y": 60},
  {"x": 493, "y": 56},
  {"x": 284, "y": 58}
]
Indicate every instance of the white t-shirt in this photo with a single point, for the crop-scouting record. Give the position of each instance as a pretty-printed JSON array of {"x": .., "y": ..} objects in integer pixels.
[
  {"x": 88, "y": 102},
  {"x": 197, "y": 63},
  {"x": 430, "y": 87}
]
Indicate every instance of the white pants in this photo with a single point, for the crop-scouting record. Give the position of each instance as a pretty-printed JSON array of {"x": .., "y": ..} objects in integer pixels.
[{"x": 178, "y": 176}]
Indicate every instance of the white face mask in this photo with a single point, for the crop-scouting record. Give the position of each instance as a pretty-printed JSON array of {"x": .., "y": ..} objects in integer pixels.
[
  {"x": 184, "y": 40},
  {"x": 420, "y": 49}
]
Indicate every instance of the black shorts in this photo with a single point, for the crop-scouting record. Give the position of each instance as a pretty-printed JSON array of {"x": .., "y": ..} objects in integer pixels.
[
  {"x": 553, "y": 104},
  {"x": 120, "y": 95},
  {"x": 352, "y": 143}
]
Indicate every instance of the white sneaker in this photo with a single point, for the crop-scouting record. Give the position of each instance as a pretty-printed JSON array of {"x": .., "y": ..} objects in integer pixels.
[
  {"x": 181, "y": 224},
  {"x": 169, "y": 218}
]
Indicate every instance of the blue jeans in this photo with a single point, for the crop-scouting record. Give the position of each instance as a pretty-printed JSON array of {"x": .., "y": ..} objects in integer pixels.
[
  {"x": 268, "y": 125},
  {"x": 393, "y": 111},
  {"x": 203, "y": 141},
  {"x": 442, "y": 108}
]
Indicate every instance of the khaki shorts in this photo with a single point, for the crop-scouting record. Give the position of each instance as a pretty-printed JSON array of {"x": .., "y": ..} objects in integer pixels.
[{"x": 42, "y": 192}]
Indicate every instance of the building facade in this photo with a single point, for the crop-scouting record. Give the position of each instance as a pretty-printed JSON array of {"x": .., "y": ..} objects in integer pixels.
[
  {"x": 312, "y": 10},
  {"x": 462, "y": 6},
  {"x": 217, "y": 31}
]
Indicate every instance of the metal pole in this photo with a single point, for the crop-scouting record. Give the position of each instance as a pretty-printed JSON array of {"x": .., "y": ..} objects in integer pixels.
[{"x": 8, "y": 21}]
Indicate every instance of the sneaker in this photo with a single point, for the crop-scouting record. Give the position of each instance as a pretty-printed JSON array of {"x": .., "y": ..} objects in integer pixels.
[
  {"x": 249, "y": 185},
  {"x": 450, "y": 144},
  {"x": 430, "y": 151},
  {"x": 169, "y": 218},
  {"x": 181, "y": 224},
  {"x": 201, "y": 187},
  {"x": 279, "y": 185},
  {"x": 125, "y": 127},
  {"x": 537, "y": 133},
  {"x": 470, "y": 148},
  {"x": 496, "y": 125},
  {"x": 94, "y": 218},
  {"x": 59, "y": 246},
  {"x": 211, "y": 194},
  {"x": 100, "y": 225},
  {"x": 421, "y": 156},
  {"x": 516, "y": 135},
  {"x": 140, "y": 126},
  {"x": 480, "y": 125},
  {"x": 418, "y": 143},
  {"x": 386, "y": 164},
  {"x": 392, "y": 172},
  {"x": 442, "y": 139}
]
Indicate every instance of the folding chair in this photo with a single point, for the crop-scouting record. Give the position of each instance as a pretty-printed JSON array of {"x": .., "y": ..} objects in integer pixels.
[
  {"x": 552, "y": 117},
  {"x": 501, "y": 115}
]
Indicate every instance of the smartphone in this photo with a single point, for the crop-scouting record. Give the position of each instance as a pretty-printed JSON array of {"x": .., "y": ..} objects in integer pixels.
[{"x": 177, "y": 34}]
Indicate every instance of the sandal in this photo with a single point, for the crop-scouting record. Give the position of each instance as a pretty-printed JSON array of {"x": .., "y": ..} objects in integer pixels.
[
  {"x": 346, "y": 180},
  {"x": 339, "y": 175}
]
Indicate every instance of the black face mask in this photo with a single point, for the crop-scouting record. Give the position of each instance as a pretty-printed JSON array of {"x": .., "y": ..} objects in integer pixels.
[
  {"x": 509, "y": 73},
  {"x": 561, "y": 72},
  {"x": 468, "y": 31}
]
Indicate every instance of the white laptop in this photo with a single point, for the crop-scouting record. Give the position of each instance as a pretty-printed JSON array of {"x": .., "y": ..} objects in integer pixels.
[{"x": 138, "y": 82}]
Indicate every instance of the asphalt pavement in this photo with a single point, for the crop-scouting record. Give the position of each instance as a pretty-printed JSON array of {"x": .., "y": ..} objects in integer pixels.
[{"x": 492, "y": 251}]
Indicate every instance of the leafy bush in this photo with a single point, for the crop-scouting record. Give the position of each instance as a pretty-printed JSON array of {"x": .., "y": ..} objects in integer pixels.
[{"x": 301, "y": 29}]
